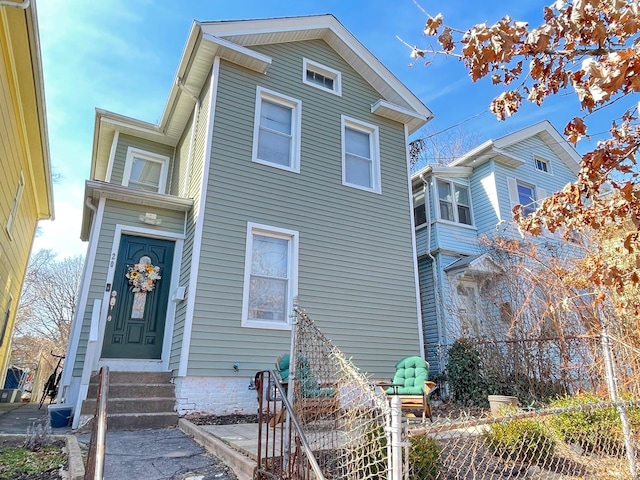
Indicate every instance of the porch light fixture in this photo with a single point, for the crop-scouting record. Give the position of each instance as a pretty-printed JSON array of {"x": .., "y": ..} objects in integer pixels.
[{"x": 150, "y": 219}]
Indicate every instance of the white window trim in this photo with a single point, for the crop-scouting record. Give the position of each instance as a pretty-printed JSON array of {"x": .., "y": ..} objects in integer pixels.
[
  {"x": 328, "y": 72},
  {"x": 373, "y": 132},
  {"x": 150, "y": 156},
  {"x": 454, "y": 204},
  {"x": 420, "y": 193},
  {"x": 15, "y": 205},
  {"x": 276, "y": 232},
  {"x": 296, "y": 121},
  {"x": 534, "y": 204},
  {"x": 542, "y": 159}
]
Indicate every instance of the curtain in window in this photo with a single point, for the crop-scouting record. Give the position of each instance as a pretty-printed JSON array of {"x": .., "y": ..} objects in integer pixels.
[
  {"x": 145, "y": 175},
  {"x": 269, "y": 278},
  {"x": 358, "y": 162},
  {"x": 274, "y": 143}
]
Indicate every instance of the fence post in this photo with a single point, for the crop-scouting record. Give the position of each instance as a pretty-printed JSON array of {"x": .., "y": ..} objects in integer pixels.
[
  {"x": 612, "y": 385},
  {"x": 396, "y": 438}
]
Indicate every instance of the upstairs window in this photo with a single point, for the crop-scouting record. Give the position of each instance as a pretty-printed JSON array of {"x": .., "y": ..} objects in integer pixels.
[
  {"x": 145, "y": 171},
  {"x": 13, "y": 213},
  {"x": 542, "y": 164},
  {"x": 270, "y": 281},
  {"x": 526, "y": 197},
  {"x": 454, "y": 202},
  {"x": 360, "y": 155},
  {"x": 276, "y": 136},
  {"x": 419, "y": 209},
  {"x": 321, "y": 77}
]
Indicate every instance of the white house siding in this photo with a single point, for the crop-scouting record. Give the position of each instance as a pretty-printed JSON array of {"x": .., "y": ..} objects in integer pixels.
[
  {"x": 356, "y": 274},
  {"x": 194, "y": 186}
]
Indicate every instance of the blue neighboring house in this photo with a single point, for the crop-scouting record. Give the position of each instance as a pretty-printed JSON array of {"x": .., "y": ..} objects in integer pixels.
[{"x": 455, "y": 205}]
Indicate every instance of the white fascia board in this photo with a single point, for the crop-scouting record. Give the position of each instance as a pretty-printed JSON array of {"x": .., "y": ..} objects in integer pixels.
[
  {"x": 411, "y": 118},
  {"x": 444, "y": 170},
  {"x": 556, "y": 142},
  {"x": 476, "y": 152},
  {"x": 258, "y": 32},
  {"x": 239, "y": 54}
]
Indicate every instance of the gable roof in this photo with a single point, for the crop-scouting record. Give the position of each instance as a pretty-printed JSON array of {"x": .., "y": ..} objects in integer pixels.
[
  {"x": 494, "y": 149},
  {"x": 232, "y": 40},
  {"x": 478, "y": 265}
]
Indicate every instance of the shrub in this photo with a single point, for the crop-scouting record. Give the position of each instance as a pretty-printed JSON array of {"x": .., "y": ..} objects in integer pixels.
[
  {"x": 464, "y": 374},
  {"x": 370, "y": 455},
  {"x": 595, "y": 430},
  {"x": 521, "y": 440},
  {"x": 423, "y": 458}
]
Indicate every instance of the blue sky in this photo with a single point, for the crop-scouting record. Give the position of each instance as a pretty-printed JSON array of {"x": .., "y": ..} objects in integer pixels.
[{"x": 122, "y": 56}]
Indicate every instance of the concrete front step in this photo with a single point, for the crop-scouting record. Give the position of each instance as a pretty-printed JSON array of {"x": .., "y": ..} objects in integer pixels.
[
  {"x": 135, "y": 390},
  {"x": 132, "y": 405},
  {"x": 139, "y": 377},
  {"x": 136, "y": 400},
  {"x": 141, "y": 421}
]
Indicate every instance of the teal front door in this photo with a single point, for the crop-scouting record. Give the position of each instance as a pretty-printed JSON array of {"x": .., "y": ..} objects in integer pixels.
[{"x": 138, "y": 299}]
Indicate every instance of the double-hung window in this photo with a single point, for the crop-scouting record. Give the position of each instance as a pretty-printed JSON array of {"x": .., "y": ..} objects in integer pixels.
[
  {"x": 270, "y": 277},
  {"x": 360, "y": 155},
  {"x": 454, "y": 202},
  {"x": 526, "y": 197},
  {"x": 145, "y": 171},
  {"x": 276, "y": 135}
]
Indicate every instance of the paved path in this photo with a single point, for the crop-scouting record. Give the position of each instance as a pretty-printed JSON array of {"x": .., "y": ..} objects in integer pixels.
[{"x": 166, "y": 454}]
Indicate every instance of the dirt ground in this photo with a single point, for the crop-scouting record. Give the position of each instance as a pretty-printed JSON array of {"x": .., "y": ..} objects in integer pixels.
[{"x": 53, "y": 474}]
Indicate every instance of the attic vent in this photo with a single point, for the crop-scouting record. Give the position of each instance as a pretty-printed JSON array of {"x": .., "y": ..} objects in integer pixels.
[{"x": 321, "y": 76}]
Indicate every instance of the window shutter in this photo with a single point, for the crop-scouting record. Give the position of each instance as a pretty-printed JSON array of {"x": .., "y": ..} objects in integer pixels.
[
  {"x": 541, "y": 194},
  {"x": 513, "y": 191}
]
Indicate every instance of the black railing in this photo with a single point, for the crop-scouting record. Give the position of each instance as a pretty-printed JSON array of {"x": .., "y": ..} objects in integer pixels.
[{"x": 283, "y": 450}]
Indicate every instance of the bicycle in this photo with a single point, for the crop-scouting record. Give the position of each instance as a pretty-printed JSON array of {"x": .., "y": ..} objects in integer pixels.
[{"x": 51, "y": 385}]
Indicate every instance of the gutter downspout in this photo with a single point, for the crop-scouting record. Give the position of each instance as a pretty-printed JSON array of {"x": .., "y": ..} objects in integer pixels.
[
  {"x": 434, "y": 269},
  {"x": 194, "y": 126},
  {"x": 22, "y": 6}
]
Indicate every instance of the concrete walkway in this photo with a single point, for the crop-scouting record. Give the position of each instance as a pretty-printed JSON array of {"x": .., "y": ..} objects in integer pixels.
[{"x": 189, "y": 452}]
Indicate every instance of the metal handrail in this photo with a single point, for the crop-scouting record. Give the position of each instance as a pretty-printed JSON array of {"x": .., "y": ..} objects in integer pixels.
[
  {"x": 291, "y": 420},
  {"x": 95, "y": 457}
]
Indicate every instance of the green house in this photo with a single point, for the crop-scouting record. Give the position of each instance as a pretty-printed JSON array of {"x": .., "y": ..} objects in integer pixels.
[{"x": 279, "y": 170}]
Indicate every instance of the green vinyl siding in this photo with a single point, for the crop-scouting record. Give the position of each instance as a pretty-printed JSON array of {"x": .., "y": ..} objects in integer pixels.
[
  {"x": 194, "y": 186},
  {"x": 356, "y": 265},
  {"x": 126, "y": 141}
]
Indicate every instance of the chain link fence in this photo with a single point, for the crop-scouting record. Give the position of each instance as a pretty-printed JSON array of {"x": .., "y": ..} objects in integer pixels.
[
  {"x": 567, "y": 408},
  {"x": 343, "y": 419}
]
